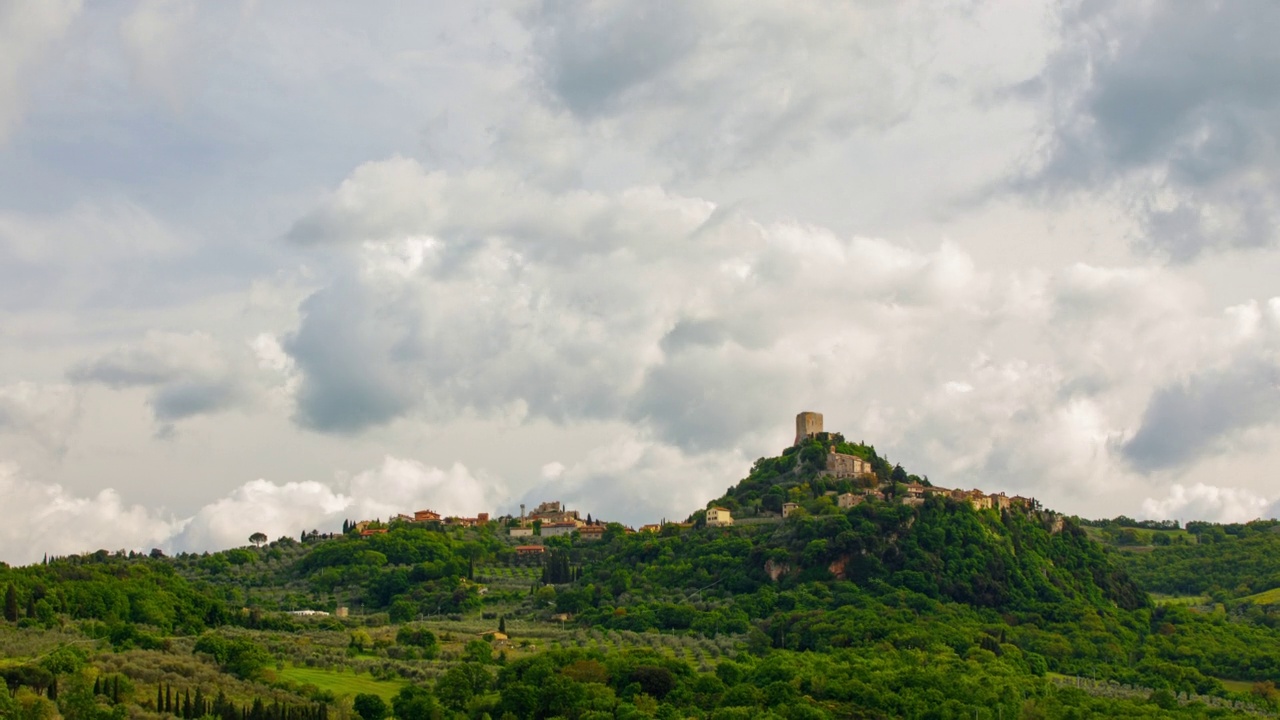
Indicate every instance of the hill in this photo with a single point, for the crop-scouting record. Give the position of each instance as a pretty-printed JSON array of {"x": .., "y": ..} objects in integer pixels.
[{"x": 904, "y": 604}]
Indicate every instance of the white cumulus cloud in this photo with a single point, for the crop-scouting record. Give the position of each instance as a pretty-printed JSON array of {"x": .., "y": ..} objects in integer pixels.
[{"x": 1208, "y": 502}]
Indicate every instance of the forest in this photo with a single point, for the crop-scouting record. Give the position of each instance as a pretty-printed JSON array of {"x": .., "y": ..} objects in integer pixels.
[{"x": 880, "y": 610}]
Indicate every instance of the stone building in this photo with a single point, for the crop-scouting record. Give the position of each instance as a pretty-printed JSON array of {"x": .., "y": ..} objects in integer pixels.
[
  {"x": 808, "y": 424},
  {"x": 788, "y": 508},
  {"x": 848, "y": 500},
  {"x": 840, "y": 465}
]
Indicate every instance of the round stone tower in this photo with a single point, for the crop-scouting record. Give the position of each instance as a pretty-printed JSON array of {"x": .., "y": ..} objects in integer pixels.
[{"x": 808, "y": 424}]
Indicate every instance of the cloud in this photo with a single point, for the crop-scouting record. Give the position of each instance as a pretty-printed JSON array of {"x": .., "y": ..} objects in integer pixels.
[
  {"x": 1186, "y": 140},
  {"x": 1208, "y": 411},
  {"x": 636, "y": 480},
  {"x": 27, "y": 29},
  {"x": 1208, "y": 502},
  {"x": 704, "y": 330},
  {"x": 55, "y": 521},
  {"x": 1186, "y": 420},
  {"x": 157, "y": 37},
  {"x": 44, "y": 413},
  {"x": 398, "y": 485},
  {"x": 96, "y": 255},
  {"x": 188, "y": 374},
  {"x": 58, "y": 522},
  {"x": 639, "y": 305},
  {"x": 723, "y": 85}
]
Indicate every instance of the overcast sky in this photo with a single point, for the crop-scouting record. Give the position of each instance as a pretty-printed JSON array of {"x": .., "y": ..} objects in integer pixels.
[{"x": 269, "y": 265}]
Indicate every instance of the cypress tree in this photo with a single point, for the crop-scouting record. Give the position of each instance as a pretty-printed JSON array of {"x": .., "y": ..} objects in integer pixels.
[
  {"x": 159, "y": 698},
  {"x": 11, "y": 604},
  {"x": 97, "y": 686},
  {"x": 115, "y": 690},
  {"x": 502, "y": 624}
]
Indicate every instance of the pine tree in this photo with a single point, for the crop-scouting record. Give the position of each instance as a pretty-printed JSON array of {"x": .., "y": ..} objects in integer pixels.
[{"x": 11, "y": 604}]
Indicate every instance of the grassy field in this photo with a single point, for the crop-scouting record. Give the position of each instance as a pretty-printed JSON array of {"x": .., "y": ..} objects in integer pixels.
[
  {"x": 342, "y": 683},
  {"x": 1239, "y": 686},
  {"x": 1180, "y": 599},
  {"x": 1267, "y": 597}
]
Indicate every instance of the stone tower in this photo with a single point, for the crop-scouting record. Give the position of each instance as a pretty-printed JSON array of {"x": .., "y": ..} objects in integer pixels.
[{"x": 808, "y": 424}]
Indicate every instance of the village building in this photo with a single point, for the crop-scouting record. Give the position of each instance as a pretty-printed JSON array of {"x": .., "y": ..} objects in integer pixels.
[
  {"x": 426, "y": 516},
  {"x": 651, "y": 527},
  {"x": 841, "y": 465},
  {"x": 591, "y": 532},
  {"x": 530, "y": 550},
  {"x": 718, "y": 517},
  {"x": 848, "y": 500},
  {"x": 521, "y": 531},
  {"x": 789, "y": 508},
  {"x": 479, "y": 519},
  {"x": 555, "y": 529}
]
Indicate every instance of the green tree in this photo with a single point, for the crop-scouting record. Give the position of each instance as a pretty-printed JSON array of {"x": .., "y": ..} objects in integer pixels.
[
  {"x": 11, "y": 604},
  {"x": 258, "y": 539},
  {"x": 416, "y": 703},
  {"x": 460, "y": 683},
  {"x": 370, "y": 707}
]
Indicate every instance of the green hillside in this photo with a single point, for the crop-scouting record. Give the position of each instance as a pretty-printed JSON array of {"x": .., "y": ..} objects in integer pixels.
[{"x": 884, "y": 609}]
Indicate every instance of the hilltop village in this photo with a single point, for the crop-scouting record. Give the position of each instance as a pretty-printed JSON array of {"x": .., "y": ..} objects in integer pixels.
[{"x": 554, "y": 519}]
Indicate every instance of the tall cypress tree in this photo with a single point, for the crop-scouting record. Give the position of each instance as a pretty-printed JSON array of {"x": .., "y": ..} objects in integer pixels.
[{"x": 11, "y": 604}]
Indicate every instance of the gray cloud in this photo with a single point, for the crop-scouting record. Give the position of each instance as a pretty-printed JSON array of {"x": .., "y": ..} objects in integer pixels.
[
  {"x": 27, "y": 28},
  {"x": 355, "y": 358},
  {"x": 188, "y": 375},
  {"x": 725, "y": 85},
  {"x": 1186, "y": 420},
  {"x": 1176, "y": 107}
]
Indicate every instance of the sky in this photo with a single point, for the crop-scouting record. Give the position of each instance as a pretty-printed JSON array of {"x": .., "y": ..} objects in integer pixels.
[{"x": 265, "y": 266}]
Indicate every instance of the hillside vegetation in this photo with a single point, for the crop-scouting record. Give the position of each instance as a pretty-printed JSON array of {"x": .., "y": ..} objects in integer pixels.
[{"x": 880, "y": 610}]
